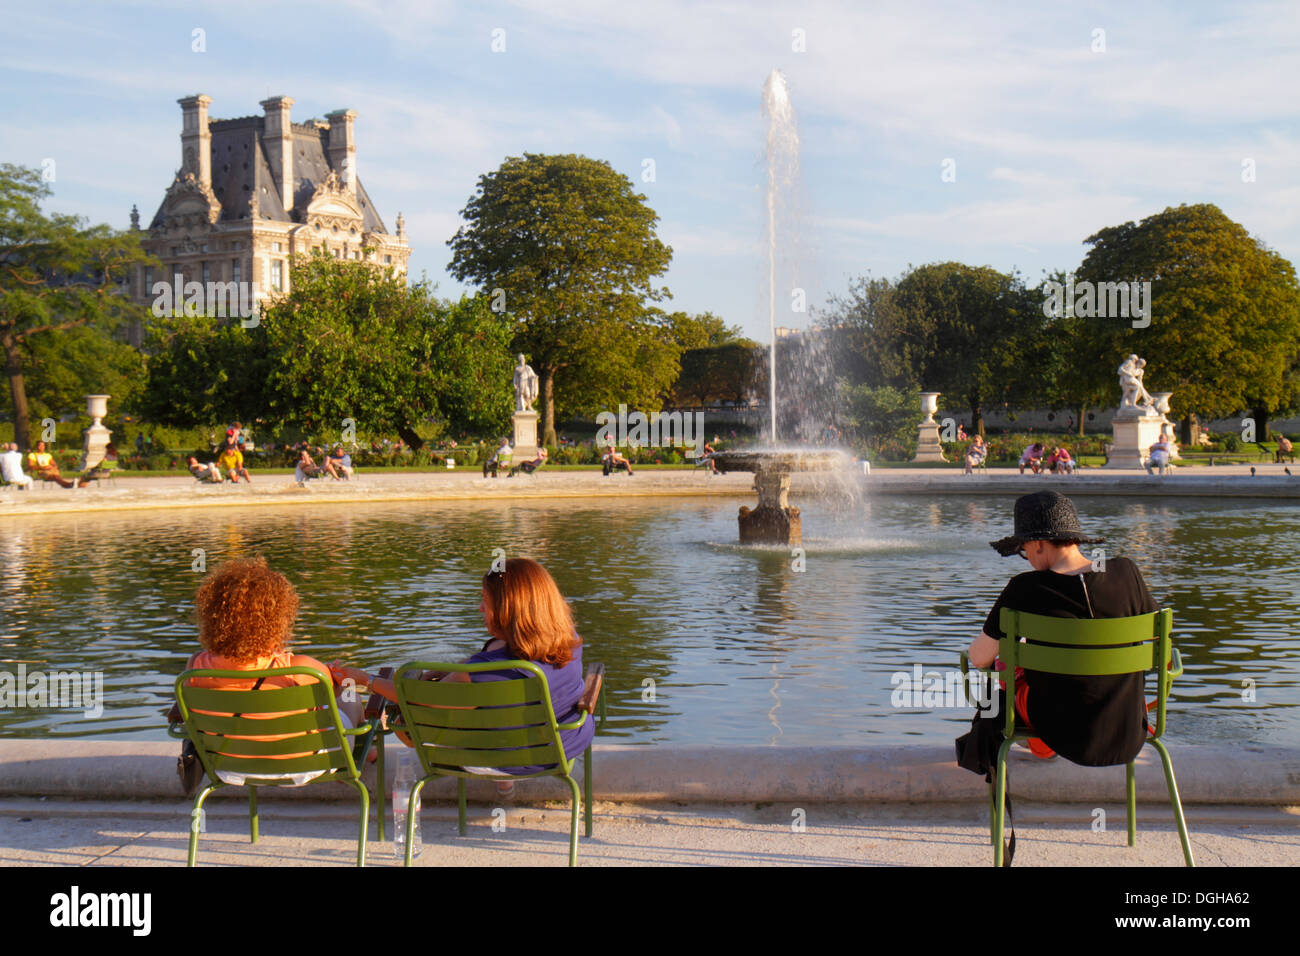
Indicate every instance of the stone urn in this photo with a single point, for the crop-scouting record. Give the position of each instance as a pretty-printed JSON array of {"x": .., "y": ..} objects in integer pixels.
[
  {"x": 930, "y": 404},
  {"x": 96, "y": 437},
  {"x": 97, "y": 407},
  {"x": 1161, "y": 400}
]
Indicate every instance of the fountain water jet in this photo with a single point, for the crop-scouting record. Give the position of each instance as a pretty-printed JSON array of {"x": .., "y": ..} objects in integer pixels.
[{"x": 775, "y": 521}]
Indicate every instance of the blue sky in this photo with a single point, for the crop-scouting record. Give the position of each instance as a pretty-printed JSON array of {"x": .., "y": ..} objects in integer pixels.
[{"x": 1051, "y": 140}]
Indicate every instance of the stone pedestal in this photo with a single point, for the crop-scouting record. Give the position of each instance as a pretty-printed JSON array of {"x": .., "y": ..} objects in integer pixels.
[
  {"x": 774, "y": 521},
  {"x": 927, "y": 438},
  {"x": 1134, "y": 434},
  {"x": 97, "y": 436},
  {"x": 525, "y": 443}
]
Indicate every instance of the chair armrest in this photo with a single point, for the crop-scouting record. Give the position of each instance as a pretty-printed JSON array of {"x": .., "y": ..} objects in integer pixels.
[
  {"x": 965, "y": 664},
  {"x": 594, "y": 681},
  {"x": 1175, "y": 664}
]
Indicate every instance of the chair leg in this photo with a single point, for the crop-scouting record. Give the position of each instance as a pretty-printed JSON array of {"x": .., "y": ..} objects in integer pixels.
[
  {"x": 365, "y": 822},
  {"x": 1000, "y": 800},
  {"x": 1130, "y": 790},
  {"x": 196, "y": 821},
  {"x": 411, "y": 818},
  {"x": 586, "y": 785},
  {"x": 252, "y": 814},
  {"x": 1174, "y": 800},
  {"x": 380, "y": 785},
  {"x": 460, "y": 804},
  {"x": 573, "y": 822}
]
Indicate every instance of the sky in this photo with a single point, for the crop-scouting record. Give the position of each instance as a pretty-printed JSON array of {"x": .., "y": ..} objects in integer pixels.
[{"x": 928, "y": 131}]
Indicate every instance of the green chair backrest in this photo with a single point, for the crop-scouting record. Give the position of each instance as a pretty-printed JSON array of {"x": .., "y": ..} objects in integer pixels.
[
  {"x": 310, "y": 725},
  {"x": 109, "y": 464},
  {"x": 505, "y": 457},
  {"x": 500, "y": 723},
  {"x": 1086, "y": 647}
]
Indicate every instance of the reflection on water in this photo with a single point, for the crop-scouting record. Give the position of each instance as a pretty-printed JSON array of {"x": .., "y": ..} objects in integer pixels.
[{"x": 741, "y": 647}]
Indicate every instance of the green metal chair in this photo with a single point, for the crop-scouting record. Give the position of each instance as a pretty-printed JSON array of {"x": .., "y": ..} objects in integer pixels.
[
  {"x": 506, "y": 723},
  {"x": 1086, "y": 647},
  {"x": 312, "y": 726}
]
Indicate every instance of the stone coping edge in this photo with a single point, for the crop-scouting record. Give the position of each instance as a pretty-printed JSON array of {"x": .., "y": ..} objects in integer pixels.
[{"x": 1206, "y": 774}]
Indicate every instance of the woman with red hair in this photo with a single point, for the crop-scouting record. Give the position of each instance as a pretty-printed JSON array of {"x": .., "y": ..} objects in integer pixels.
[{"x": 528, "y": 619}]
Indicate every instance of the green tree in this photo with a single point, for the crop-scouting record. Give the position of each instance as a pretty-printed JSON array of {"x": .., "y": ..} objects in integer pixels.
[
  {"x": 63, "y": 367},
  {"x": 702, "y": 331},
  {"x": 729, "y": 372},
  {"x": 955, "y": 329},
  {"x": 202, "y": 371},
  {"x": 352, "y": 342},
  {"x": 568, "y": 248},
  {"x": 1224, "y": 331},
  {"x": 56, "y": 274}
]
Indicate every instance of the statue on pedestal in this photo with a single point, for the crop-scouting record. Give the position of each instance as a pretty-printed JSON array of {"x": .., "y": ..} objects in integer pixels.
[
  {"x": 525, "y": 385},
  {"x": 1131, "y": 387}
]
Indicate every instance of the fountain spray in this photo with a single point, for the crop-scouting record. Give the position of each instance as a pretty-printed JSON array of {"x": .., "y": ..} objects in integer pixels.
[{"x": 782, "y": 164}]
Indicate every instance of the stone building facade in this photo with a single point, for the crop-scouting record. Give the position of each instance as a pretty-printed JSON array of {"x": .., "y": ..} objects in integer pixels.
[{"x": 254, "y": 191}]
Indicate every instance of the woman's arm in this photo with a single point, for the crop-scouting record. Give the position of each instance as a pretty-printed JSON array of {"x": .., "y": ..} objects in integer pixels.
[{"x": 983, "y": 651}]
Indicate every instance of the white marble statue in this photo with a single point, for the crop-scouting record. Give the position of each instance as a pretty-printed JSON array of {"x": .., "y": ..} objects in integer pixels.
[
  {"x": 525, "y": 386},
  {"x": 1130, "y": 383}
]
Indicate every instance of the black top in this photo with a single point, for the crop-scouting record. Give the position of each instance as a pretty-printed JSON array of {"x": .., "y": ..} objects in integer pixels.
[{"x": 1093, "y": 721}]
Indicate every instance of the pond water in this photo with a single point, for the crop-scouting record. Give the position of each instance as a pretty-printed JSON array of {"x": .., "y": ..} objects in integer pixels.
[{"x": 705, "y": 641}]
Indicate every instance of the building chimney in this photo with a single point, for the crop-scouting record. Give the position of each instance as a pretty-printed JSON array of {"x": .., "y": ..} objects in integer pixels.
[
  {"x": 277, "y": 140},
  {"x": 343, "y": 147},
  {"x": 196, "y": 141}
]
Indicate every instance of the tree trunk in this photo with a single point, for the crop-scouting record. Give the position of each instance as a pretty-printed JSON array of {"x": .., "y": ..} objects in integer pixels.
[
  {"x": 407, "y": 434},
  {"x": 546, "y": 392},
  {"x": 1083, "y": 415},
  {"x": 18, "y": 392},
  {"x": 976, "y": 419},
  {"x": 1260, "y": 414},
  {"x": 1185, "y": 429}
]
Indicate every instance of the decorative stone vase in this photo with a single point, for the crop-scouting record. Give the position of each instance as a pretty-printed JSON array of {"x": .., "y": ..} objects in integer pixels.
[
  {"x": 1161, "y": 400},
  {"x": 97, "y": 407},
  {"x": 930, "y": 405}
]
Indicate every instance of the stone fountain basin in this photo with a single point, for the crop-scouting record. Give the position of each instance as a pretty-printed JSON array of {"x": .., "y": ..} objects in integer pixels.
[{"x": 776, "y": 462}]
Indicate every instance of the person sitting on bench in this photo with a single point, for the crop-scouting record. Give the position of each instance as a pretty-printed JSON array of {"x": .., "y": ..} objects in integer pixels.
[
  {"x": 613, "y": 461},
  {"x": 11, "y": 467},
  {"x": 528, "y": 467},
  {"x": 306, "y": 467},
  {"x": 1284, "y": 449},
  {"x": 41, "y": 464},
  {"x": 500, "y": 459},
  {"x": 206, "y": 473}
]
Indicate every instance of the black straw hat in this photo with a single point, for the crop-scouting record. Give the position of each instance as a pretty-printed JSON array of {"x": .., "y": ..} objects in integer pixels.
[{"x": 1043, "y": 516}]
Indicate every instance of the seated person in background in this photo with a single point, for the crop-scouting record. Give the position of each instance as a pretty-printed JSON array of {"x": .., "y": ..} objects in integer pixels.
[
  {"x": 500, "y": 458},
  {"x": 1033, "y": 457},
  {"x": 975, "y": 454},
  {"x": 209, "y": 472},
  {"x": 1093, "y": 721},
  {"x": 41, "y": 464},
  {"x": 613, "y": 461},
  {"x": 246, "y": 613},
  {"x": 100, "y": 471},
  {"x": 1159, "y": 455},
  {"x": 528, "y": 619},
  {"x": 231, "y": 461},
  {"x": 528, "y": 467},
  {"x": 11, "y": 466},
  {"x": 338, "y": 464},
  {"x": 1284, "y": 449},
  {"x": 1060, "y": 461},
  {"x": 306, "y": 467}
]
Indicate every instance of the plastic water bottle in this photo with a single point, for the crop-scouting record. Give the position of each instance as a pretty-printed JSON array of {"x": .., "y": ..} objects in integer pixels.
[{"x": 408, "y": 766}]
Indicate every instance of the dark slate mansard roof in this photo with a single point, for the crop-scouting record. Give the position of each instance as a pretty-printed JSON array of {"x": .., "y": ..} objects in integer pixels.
[{"x": 240, "y": 167}]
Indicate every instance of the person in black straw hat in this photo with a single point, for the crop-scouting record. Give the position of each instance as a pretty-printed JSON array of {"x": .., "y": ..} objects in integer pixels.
[{"x": 1093, "y": 721}]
